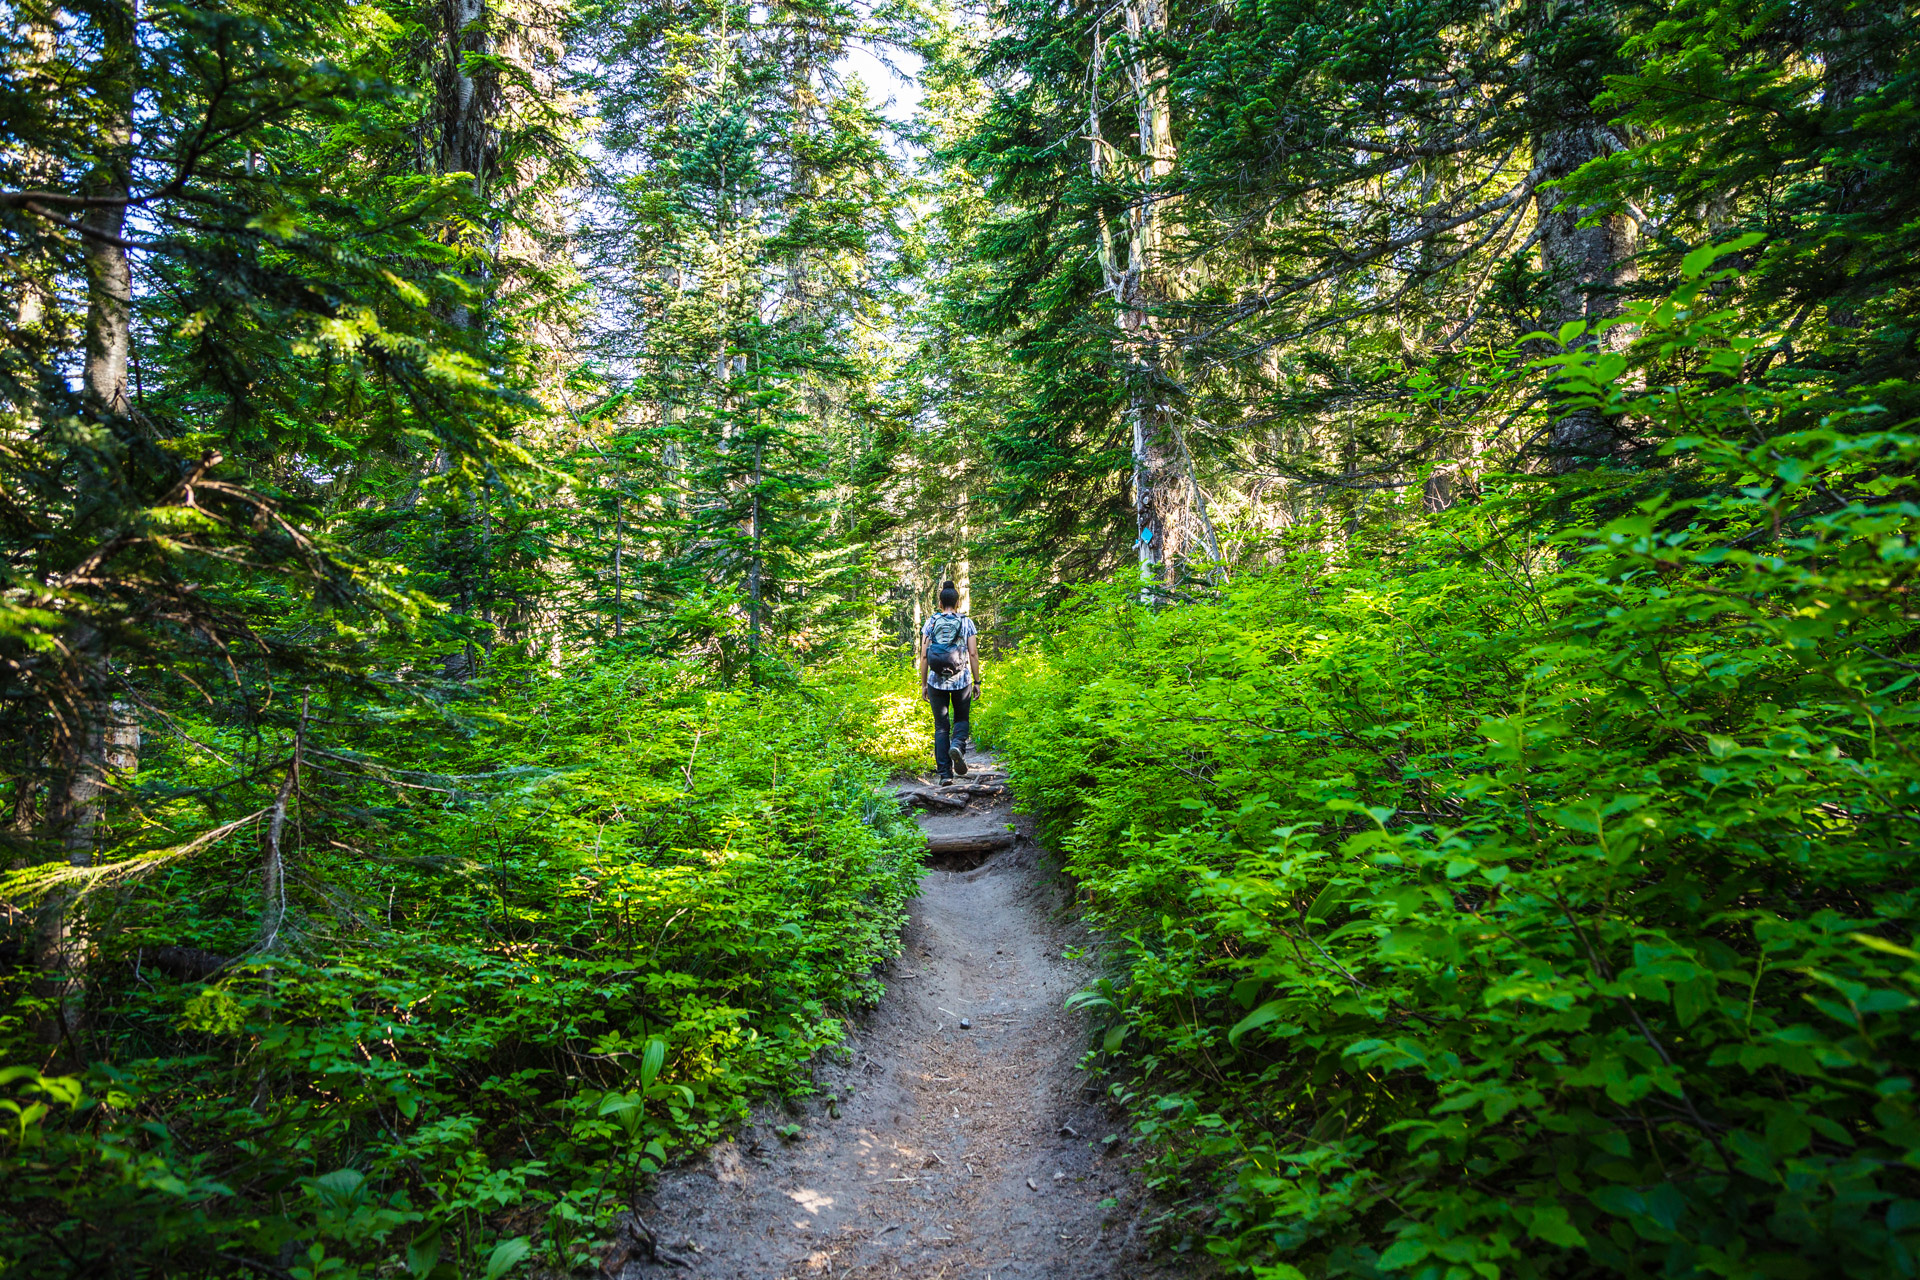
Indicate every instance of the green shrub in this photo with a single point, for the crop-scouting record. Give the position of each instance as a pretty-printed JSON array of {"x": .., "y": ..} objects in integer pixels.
[
  {"x": 654, "y": 907},
  {"x": 1491, "y": 902}
]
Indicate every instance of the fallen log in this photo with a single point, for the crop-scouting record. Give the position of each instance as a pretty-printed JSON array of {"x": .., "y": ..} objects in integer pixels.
[
  {"x": 910, "y": 796},
  {"x": 948, "y": 846},
  {"x": 949, "y": 797}
]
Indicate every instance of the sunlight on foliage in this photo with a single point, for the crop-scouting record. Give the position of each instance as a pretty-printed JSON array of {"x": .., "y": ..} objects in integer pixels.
[
  {"x": 656, "y": 901},
  {"x": 879, "y": 711},
  {"x": 1478, "y": 911}
]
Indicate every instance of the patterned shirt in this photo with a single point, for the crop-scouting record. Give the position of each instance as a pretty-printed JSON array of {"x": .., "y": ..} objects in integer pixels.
[{"x": 962, "y": 678}]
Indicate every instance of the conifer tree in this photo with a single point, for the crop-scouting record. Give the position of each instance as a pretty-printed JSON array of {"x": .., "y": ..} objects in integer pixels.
[
  {"x": 258, "y": 329},
  {"x": 747, "y": 208}
]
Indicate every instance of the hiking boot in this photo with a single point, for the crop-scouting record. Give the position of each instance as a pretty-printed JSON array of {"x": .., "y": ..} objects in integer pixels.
[{"x": 958, "y": 758}]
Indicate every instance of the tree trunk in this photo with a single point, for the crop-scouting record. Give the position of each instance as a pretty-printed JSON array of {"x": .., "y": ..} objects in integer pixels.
[
  {"x": 1165, "y": 515},
  {"x": 466, "y": 98},
  {"x": 963, "y": 558},
  {"x": 466, "y": 103},
  {"x": 105, "y": 742},
  {"x": 619, "y": 540},
  {"x": 109, "y": 278},
  {"x": 24, "y": 811},
  {"x": 36, "y": 26},
  {"x": 1588, "y": 266},
  {"x": 107, "y": 749},
  {"x": 754, "y": 554}
]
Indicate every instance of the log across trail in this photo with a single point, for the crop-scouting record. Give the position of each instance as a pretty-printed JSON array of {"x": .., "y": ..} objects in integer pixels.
[{"x": 953, "y": 1136}]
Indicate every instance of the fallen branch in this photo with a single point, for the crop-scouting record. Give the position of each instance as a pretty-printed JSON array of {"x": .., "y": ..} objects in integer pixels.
[
  {"x": 927, "y": 799},
  {"x": 634, "y": 1240}
]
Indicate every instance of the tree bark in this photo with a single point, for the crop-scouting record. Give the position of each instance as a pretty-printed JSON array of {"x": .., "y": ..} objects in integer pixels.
[
  {"x": 104, "y": 744},
  {"x": 754, "y": 550},
  {"x": 619, "y": 540},
  {"x": 962, "y": 557},
  {"x": 109, "y": 277},
  {"x": 36, "y": 25},
  {"x": 466, "y": 103},
  {"x": 273, "y": 862},
  {"x": 108, "y": 750},
  {"x": 1588, "y": 267},
  {"x": 927, "y": 799},
  {"x": 947, "y": 846},
  {"x": 1166, "y": 516}
]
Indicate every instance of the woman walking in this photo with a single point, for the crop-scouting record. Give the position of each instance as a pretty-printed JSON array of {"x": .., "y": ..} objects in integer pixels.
[{"x": 949, "y": 666}]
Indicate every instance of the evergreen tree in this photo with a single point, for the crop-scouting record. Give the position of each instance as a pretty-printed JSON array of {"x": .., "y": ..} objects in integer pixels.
[{"x": 746, "y": 213}]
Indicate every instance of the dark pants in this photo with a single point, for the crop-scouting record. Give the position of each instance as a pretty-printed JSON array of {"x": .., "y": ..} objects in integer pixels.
[{"x": 943, "y": 740}]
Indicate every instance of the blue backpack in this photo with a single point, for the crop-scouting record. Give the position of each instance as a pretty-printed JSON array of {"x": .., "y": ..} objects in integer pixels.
[{"x": 946, "y": 646}]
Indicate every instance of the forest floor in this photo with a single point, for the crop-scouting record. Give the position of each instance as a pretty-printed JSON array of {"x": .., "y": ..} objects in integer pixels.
[{"x": 933, "y": 1151}]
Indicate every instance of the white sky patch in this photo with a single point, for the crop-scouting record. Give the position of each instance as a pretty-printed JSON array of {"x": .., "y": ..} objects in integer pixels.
[{"x": 896, "y": 93}]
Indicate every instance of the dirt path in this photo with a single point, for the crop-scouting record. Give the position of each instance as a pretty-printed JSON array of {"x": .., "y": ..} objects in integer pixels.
[{"x": 934, "y": 1151}]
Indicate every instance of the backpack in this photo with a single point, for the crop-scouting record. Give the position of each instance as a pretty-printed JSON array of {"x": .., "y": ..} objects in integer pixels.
[{"x": 946, "y": 650}]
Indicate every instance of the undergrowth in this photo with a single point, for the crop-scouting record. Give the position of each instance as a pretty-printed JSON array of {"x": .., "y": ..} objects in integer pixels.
[
  {"x": 629, "y": 903},
  {"x": 1517, "y": 893}
]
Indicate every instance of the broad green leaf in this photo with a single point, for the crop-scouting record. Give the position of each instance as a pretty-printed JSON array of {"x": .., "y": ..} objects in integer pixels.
[
  {"x": 507, "y": 1255},
  {"x": 1549, "y": 1222},
  {"x": 423, "y": 1252},
  {"x": 1266, "y": 1014},
  {"x": 651, "y": 1060}
]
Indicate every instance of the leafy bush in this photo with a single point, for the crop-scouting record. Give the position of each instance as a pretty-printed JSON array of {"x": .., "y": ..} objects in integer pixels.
[
  {"x": 656, "y": 910},
  {"x": 881, "y": 715},
  {"x": 1501, "y": 900}
]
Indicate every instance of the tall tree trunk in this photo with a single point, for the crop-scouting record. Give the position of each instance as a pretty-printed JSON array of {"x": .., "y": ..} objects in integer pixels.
[
  {"x": 1588, "y": 266},
  {"x": 105, "y": 751},
  {"x": 109, "y": 277},
  {"x": 467, "y": 100},
  {"x": 273, "y": 863},
  {"x": 800, "y": 104},
  {"x": 755, "y": 549},
  {"x": 619, "y": 541},
  {"x": 104, "y": 742},
  {"x": 35, "y": 25},
  {"x": 962, "y": 557},
  {"x": 23, "y": 813},
  {"x": 1165, "y": 514},
  {"x": 466, "y": 95}
]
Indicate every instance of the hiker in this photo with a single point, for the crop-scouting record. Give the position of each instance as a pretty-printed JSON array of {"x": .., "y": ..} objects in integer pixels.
[{"x": 949, "y": 667}]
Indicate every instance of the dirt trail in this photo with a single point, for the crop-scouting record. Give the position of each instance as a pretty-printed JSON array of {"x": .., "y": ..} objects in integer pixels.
[{"x": 945, "y": 1152}]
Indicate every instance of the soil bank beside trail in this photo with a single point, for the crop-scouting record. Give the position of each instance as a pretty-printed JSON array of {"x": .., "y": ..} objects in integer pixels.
[{"x": 935, "y": 1151}]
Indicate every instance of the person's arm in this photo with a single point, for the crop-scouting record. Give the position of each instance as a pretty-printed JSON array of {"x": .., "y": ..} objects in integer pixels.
[{"x": 973, "y": 657}]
